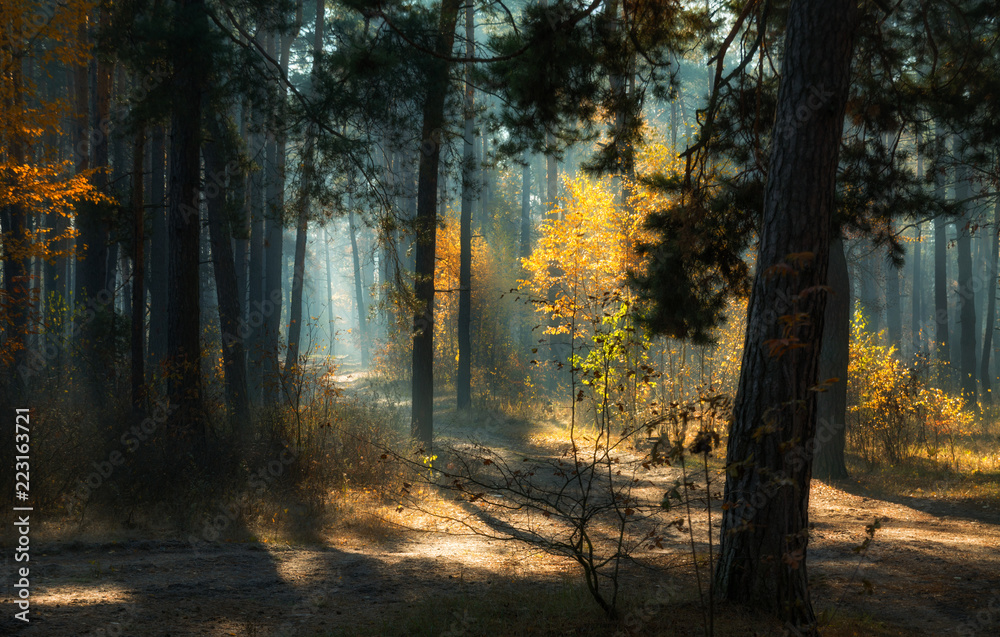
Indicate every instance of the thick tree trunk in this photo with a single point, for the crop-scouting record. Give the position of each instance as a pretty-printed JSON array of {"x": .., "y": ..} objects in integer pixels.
[
  {"x": 991, "y": 307},
  {"x": 183, "y": 220},
  {"x": 463, "y": 382},
  {"x": 831, "y": 405},
  {"x": 226, "y": 289},
  {"x": 765, "y": 527},
  {"x": 966, "y": 291},
  {"x": 425, "y": 228}
]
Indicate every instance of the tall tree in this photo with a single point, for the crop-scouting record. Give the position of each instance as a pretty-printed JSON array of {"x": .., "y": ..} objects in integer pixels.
[
  {"x": 190, "y": 66},
  {"x": 302, "y": 225},
  {"x": 831, "y": 404},
  {"x": 943, "y": 350},
  {"x": 224, "y": 268},
  {"x": 764, "y": 531},
  {"x": 463, "y": 382},
  {"x": 425, "y": 224},
  {"x": 966, "y": 288},
  {"x": 986, "y": 377}
]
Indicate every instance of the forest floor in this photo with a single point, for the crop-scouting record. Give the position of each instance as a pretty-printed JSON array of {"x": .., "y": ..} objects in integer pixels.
[{"x": 932, "y": 569}]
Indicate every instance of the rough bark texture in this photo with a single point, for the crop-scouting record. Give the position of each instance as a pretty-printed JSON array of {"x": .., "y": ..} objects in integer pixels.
[
  {"x": 831, "y": 405},
  {"x": 765, "y": 527},
  {"x": 425, "y": 228},
  {"x": 463, "y": 382}
]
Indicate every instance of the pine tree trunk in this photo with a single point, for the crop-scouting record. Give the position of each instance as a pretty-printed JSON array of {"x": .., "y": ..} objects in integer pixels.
[
  {"x": 831, "y": 405},
  {"x": 158, "y": 250},
  {"x": 917, "y": 309},
  {"x": 302, "y": 227},
  {"x": 991, "y": 307},
  {"x": 138, "y": 323},
  {"x": 332, "y": 351},
  {"x": 966, "y": 291},
  {"x": 359, "y": 289},
  {"x": 258, "y": 304},
  {"x": 425, "y": 228},
  {"x": 940, "y": 264},
  {"x": 183, "y": 221},
  {"x": 463, "y": 381},
  {"x": 766, "y": 523},
  {"x": 226, "y": 289}
]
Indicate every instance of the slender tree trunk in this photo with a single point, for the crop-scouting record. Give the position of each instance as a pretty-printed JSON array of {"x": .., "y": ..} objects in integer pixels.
[
  {"x": 226, "y": 289},
  {"x": 158, "y": 250},
  {"x": 16, "y": 238},
  {"x": 991, "y": 307},
  {"x": 425, "y": 228},
  {"x": 302, "y": 227},
  {"x": 138, "y": 323},
  {"x": 329, "y": 298},
  {"x": 966, "y": 291},
  {"x": 940, "y": 265},
  {"x": 893, "y": 312},
  {"x": 359, "y": 294},
  {"x": 183, "y": 219},
  {"x": 917, "y": 309},
  {"x": 464, "y": 378},
  {"x": 258, "y": 304},
  {"x": 831, "y": 405},
  {"x": 765, "y": 526}
]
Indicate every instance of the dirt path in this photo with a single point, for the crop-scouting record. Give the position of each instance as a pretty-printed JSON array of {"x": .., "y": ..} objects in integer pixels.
[{"x": 932, "y": 572}]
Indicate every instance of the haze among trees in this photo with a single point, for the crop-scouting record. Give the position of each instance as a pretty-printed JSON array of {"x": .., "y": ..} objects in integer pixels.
[{"x": 632, "y": 317}]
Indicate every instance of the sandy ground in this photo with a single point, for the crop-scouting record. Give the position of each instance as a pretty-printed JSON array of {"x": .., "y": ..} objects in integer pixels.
[{"x": 933, "y": 569}]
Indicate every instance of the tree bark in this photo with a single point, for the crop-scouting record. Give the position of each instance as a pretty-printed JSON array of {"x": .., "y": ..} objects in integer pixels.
[
  {"x": 893, "y": 312},
  {"x": 183, "y": 220},
  {"x": 940, "y": 264},
  {"x": 831, "y": 405},
  {"x": 766, "y": 523},
  {"x": 302, "y": 227},
  {"x": 425, "y": 228},
  {"x": 986, "y": 378},
  {"x": 359, "y": 289},
  {"x": 226, "y": 288},
  {"x": 138, "y": 278},
  {"x": 158, "y": 250},
  {"x": 966, "y": 291},
  {"x": 332, "y": 351},
  {"x": 463, "y": 382}
]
